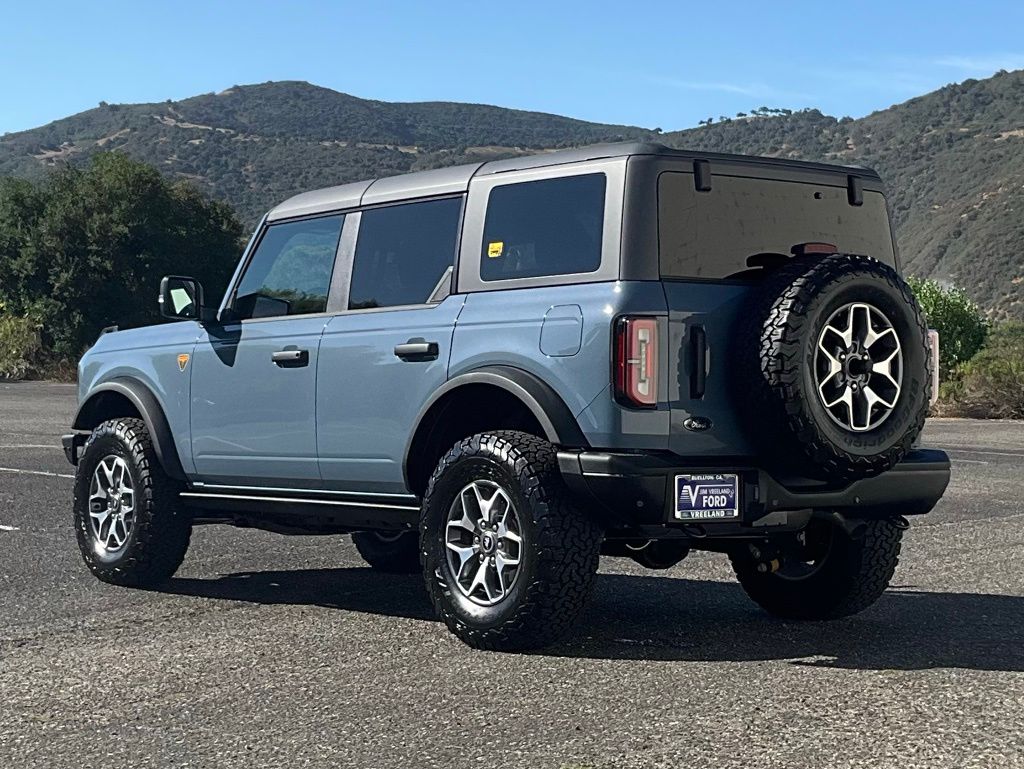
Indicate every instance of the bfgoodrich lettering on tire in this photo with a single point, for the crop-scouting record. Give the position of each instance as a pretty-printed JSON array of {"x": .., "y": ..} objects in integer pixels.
[
  {"x": 836, "y": 358},
  {"x": 130, "y": 524},
  {"x": 508, "y": 561}
]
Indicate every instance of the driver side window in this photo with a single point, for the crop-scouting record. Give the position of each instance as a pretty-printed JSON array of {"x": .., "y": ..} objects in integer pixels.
[{"x": 290, "y": 272}]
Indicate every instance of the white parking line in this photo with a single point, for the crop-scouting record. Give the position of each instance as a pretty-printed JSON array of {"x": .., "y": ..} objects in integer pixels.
[
  {"x": 34, "y": 472},
  {"x": 1017, "y": 454},
  {"x": 970, "y": 461},
  {"x": 8, "y": 528},
  {"x": 31, "y": 446}
]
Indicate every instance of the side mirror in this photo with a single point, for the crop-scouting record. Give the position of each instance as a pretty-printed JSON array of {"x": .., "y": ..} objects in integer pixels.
[{"x": 182, "y": 299}]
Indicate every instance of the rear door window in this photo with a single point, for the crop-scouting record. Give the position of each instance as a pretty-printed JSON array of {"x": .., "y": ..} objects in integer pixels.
[
  {"x": 546, "y": 227},
  {"x": 290, "y": 272},
  {"x": 404, "y": 253},
  {"x": 742, "y": 224}
]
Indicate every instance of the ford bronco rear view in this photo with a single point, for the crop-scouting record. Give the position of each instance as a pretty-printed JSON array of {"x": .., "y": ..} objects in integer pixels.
[{"x": 498, "y": 372}]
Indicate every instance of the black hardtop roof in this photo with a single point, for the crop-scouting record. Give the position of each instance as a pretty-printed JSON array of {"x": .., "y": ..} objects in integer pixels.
[
  {"x": 455, "y": 179},
  {"x": 627, "y": 149}
]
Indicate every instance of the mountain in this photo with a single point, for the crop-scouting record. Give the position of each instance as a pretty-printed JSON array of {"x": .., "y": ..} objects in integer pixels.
[
  {"x": 256, "y": 145},
  {"x": 953, "y": 159}
]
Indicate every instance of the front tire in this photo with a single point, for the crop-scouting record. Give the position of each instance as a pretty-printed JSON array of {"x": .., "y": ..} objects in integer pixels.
[
  {"x": 835, "y": 575},
  {"x": 508, "y": 561},
  {"x": 131, "y": 527}
]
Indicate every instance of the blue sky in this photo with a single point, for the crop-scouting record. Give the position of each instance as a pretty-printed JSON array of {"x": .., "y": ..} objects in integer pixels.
[{"x": 667, "y": 65}]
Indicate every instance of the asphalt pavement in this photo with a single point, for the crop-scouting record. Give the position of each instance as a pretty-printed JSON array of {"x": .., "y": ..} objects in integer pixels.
[{"x": 271, "y": 651}]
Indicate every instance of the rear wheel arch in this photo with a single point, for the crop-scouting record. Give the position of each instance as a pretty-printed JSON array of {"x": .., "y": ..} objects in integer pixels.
[
  {"x": 128, "y": 397},
  {"x": 491, "y": 398}
]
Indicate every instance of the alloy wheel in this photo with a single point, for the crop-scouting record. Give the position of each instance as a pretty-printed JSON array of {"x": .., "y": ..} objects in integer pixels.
[
  {"x": 111, "y": 504},
  {"x": 483, "y": 542},
  {"x": 858, "y": 367}
]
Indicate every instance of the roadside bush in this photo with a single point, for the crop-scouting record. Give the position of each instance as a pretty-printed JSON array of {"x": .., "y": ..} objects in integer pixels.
[
  {"x": 19, "y": 346},
  {"x": 961, "y": 325},
  {"x": 991, "y": 384}
]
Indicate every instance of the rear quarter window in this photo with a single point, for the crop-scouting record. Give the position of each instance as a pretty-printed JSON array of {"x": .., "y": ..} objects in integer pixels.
[
  {"x": 726, "y": 232},
  {"x": 544, "y": 227}
]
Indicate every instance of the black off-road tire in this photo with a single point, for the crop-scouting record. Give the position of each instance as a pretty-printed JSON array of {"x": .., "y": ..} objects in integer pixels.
[
  {"x": 397, "y": 553},
  {"x": 162, "y": 528},
  {"x": 776, "y": 385},
  {"x": 853, "y": 575},
  {"x": 560, "y": 549}
]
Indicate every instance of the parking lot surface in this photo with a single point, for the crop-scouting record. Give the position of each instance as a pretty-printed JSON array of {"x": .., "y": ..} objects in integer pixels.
[{"x": 270, "y": 651}]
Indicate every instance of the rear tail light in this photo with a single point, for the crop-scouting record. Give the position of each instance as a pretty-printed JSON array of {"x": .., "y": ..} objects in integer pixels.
[
  {"x": 933, "y": 354},
  {"x": 636, "y": 362}
]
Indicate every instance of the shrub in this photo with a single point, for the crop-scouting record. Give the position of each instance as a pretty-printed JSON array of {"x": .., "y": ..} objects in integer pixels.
[
  {"x": 86, "y": 248},
  {"x": 19, "y": 346},
  {"x": 991, "y": 384},
  {"x": 961, "y": 325}
]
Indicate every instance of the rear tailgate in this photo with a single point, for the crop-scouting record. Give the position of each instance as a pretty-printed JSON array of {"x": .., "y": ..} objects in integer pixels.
[{"x": 715, "y": 245}]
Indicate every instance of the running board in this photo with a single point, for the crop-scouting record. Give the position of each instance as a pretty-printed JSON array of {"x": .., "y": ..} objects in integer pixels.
[{"x": 348, "y": 510}]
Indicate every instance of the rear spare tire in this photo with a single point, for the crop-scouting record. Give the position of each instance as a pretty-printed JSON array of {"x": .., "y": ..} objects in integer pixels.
[{"x": 837, "y": 357}]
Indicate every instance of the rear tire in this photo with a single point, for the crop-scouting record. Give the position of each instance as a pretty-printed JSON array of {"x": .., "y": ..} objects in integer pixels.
[
  {"x": 389, "y": 552},
  {"x": 131, "y": 527},
  {"x": 497, "y": 505},
  {"x": 850, "y": 575}
]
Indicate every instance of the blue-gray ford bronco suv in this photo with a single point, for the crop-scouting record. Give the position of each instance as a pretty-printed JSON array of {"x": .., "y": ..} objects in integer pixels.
[{"x": 498, "y": 372}]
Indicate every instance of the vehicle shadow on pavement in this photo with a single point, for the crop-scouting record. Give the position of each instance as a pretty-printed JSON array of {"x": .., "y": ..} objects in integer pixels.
[
  {"x": 661, "y": 618},
  {"x": 673, "y": 619}
]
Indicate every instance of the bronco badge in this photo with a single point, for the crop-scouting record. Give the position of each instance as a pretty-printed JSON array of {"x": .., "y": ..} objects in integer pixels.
[{"x": 182, "y": 361}]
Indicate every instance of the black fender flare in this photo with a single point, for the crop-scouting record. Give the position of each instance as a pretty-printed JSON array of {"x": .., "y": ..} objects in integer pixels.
[
  {"x": 152, "y": 413},
  {"x": 553, "y": 415}
]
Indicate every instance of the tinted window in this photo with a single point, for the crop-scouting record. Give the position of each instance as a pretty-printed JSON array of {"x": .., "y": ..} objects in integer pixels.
[
  {"x": 290, "y": 273},
  {"x": 549, "y": 227},
  {"x": 403, "y": 252},
  {"x": 743, "y": 224}
]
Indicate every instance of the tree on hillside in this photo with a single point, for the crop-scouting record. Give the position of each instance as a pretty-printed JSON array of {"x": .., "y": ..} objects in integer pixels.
[
  {"x": 86, "y": 248},
  {"x": 961, "y": 325}
]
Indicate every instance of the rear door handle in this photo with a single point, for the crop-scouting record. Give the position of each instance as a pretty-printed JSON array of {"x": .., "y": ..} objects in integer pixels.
[
  {"x": 417, "y": 350},
  {"x": 290, "y": 357}
]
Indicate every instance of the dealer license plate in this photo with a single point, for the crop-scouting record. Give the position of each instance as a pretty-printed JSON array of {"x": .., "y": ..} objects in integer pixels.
[{"x": 707, "y": 496}]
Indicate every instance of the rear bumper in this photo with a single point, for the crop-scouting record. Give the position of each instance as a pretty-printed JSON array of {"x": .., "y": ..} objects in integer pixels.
[{"x": 637, "y": 489}]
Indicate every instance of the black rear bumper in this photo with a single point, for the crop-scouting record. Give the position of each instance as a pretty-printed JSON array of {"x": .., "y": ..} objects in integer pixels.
[{"x": 637, "y": 489}]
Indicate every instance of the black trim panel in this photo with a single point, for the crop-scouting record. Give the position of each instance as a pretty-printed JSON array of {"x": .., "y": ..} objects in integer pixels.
[
  {"x": 556, "y": 420},
  {"x": 152, "y": 414},
  {"x": 352, "y": 513}
]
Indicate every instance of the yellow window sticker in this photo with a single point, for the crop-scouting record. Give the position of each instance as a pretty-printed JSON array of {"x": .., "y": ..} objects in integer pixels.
[{"x": 495, "y": 249}]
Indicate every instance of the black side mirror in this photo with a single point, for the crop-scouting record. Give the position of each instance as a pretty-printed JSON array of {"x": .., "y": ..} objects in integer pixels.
[{"x": 182, "y": 299}]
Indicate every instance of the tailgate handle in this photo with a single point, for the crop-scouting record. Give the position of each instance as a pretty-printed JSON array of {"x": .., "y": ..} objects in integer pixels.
[{"x": 698, "y": 361}]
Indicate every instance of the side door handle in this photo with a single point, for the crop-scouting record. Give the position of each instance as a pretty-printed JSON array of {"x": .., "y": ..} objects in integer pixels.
[
  {"x": 290, "y": 357},
  {"x": 417, "y": 350}
]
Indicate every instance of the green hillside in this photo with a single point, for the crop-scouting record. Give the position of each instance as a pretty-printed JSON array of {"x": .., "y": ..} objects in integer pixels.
[
  {"x": 255, "y": 145},
  {"x": 953, "y": 159}
]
